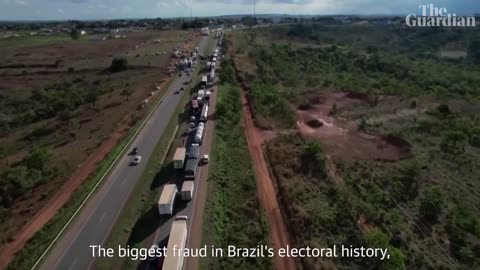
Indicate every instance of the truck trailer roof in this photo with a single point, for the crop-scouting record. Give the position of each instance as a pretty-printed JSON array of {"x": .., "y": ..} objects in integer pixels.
[
  {"x": 180, "y": 153},
  {"x": 169, "y": 191},
  {"x": 178, "y": 238}
]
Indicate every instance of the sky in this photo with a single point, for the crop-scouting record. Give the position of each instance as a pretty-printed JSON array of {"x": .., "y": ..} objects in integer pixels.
[{"x": 116, "y": 9}]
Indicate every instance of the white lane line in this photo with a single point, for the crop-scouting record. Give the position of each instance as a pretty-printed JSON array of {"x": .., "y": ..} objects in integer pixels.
[
  {"x": 98, "y": 183},
  {"x": 101, "y": 218},
  {"x": 74, "y": 262}
]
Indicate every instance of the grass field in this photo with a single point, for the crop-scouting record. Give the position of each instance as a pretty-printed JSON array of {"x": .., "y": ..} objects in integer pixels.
[
  {"x": 233, "y": 215},
  {"x": 37, "y": 245}
]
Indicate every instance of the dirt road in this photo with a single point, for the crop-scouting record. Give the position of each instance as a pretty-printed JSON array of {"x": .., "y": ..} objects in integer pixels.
[{"x": 266, "y": 190}]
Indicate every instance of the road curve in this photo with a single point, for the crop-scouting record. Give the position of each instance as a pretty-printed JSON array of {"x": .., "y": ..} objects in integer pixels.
[{"x": 98, "y": 216}]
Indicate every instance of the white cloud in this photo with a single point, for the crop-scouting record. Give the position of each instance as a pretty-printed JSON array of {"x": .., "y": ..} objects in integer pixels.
[
  {"x": 61, "y": 11},
  {"x": 162, "y": 4},
  {"x": 21, "y": 2}
]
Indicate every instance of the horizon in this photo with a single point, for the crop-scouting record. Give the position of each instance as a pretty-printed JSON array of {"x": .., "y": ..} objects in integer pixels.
[{"x": 89, "y": 10}]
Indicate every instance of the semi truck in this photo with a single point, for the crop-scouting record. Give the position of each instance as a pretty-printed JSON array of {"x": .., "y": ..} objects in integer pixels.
[
  {"x": 179, "y": 157},
  {"x": 192, "y": 161},
  {"x": 187, "y": 190},
  {"x": 204, "y": 80},
  {"x": 199, "y": 133},
  {"x": 167, "y": 199},
  {"x": 201, "y": 93},
  {"x": 177, "y": 240},
  {"x": 204, "y": 114}
]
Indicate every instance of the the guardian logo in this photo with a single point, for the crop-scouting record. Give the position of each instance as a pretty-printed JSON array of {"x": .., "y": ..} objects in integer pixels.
[{"x": 432, "y": 16}]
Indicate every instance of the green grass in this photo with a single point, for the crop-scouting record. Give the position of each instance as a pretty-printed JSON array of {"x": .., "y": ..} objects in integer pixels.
[
  {"x": 28, "y": 40},
  {"x": 29, "y": 254},
  {"x": 233, "y": 215}
]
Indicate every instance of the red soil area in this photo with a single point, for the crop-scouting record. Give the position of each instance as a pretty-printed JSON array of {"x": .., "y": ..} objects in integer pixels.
[
  {"x": 266, "y": 188},
  {"x": 344, "y": 140}
]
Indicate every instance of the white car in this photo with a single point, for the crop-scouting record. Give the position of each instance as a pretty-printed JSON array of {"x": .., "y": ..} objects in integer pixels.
[
  {"x": 205, "y": 159},
  {"x": 136, "y": 160}
]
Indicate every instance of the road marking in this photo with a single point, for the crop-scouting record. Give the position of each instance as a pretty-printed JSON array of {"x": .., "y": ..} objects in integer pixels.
[
  {"x": 74, "y": 262},
  {"x": 103, "y": 215},
  {"x": 101, "y": 179}
]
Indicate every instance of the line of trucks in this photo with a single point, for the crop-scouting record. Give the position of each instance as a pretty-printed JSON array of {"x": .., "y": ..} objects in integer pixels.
[{"x": 188, "y": 161}]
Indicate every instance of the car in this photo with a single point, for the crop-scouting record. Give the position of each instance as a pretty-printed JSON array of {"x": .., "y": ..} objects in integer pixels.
[
  {"x": 180, "y": 74},
  {"x": 191, "y": 125},
  {"x": 176, "y": 92},
  {"x": 192, "y": 118},
  {"x": 205, "y": 159},
  {"x": 136, "y": 160},
  {"x": 134, "y": 151},
  {"x": 181, "y": 88}
]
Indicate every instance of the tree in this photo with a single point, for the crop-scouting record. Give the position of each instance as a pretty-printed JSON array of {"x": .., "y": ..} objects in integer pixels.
[
  {"x": 3, "y": 153},
  {"x": 19, "y": 177},
  {"x": 74, "y": 34},
  {"x": 431, "y": 204},
  {"x": 38, "y": 159},
  {"x": 313, "y": 157},
  {"x": 453, "y": 141},
  {"x": 127, "y": 92},
  {"x": 376, "y": 238},
  {"x": 119, "y": 64},
  {"x": 65, "y": 116}
]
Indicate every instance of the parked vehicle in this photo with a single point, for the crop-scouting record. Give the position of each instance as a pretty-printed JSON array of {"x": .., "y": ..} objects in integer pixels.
[
  {"x": 167, "y": 199},
  {"x": 177, "y": 240},
  {"x": 187, "y": 190},
  {"x": 205, "y": 159},
  {"x": 199, "y": 133},
  {"x": 204, "y": 114},
  {"x": 134, "y": 151},
  {"x": 179, "y": 157}
]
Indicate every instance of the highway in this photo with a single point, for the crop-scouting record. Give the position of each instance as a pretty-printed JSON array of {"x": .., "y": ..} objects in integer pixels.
[
  {"x": 193, "y": 209},
  {"x": 99, "y": 214}
]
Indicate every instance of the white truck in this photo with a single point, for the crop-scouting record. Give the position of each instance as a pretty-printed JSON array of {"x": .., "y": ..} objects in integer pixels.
[
  {"x": 204, "y": 114},
  {"x": 167, "y": 199},
  {"x": 178, "y": 237},
  {"x": 199, "y": 133},
  {"x": 179, "y": 157},
  {"x": 187, "y": 190}
]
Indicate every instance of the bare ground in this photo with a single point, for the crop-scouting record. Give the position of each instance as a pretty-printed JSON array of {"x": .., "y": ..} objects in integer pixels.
[
  {"x": 343, "y": 139},
  {"x": 266, "y": 189}
]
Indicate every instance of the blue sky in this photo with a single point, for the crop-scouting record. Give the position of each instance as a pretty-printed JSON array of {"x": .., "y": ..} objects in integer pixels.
[{"x": 108, "y": 9}]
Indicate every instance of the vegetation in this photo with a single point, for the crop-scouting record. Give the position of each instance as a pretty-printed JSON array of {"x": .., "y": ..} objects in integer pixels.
[
  {"x": 233, "y": 215},
  {"x": 119, "y": 64},
  {"x": 422, "y": 206}
]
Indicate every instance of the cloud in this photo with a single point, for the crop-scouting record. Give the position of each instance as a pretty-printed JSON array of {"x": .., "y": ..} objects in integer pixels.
[
  {"x": 61, "y": 11},
  {"x": 162, "y": 4},
  {"x": 20, "y": 2}
]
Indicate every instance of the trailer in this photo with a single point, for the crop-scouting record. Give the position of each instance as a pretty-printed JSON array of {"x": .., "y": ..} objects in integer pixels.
[
  {"x": 179, "y": 157},
  {"x": 209, "y": 65},
  {"x": 204, "y": 114},
  {"x": 204, "y": 80},
  {"x": 199, "y": 133},
  {"x": 191, "y": 168},
  {"x": 187, "y": 190},
  {"x": 178, "y": 237},
  {"x": 207, "y": 96},
  {"x": 201, "y": 93},
  {"x": 167, "y": 199},
  {"x": 194, "y": 151}
]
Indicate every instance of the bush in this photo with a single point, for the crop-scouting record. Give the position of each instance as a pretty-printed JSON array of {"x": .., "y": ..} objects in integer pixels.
[
  {"x": 119, "y": 64},
  {"x": 431, "y": 204}
]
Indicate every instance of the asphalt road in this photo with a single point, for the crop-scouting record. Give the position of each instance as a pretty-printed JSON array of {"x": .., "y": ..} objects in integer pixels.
[
  {"x": 194, "y": 208},
  {"x": 95, "y": 221}
]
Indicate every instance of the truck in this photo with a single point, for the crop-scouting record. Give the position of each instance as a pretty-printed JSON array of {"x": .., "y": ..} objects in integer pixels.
[
  {"x": 207, "y": 96},
  {"x": 199, "y": 133},
  {"x": 179, "y": 157},
  {"x": 167, "y": 199},
  {"x": 194, "y": 104},
  {"x": 209, "y": 65},
  {"x": 177, "y": 240},
  {"x": 187, "y": 190},
  {"x": 201, "y": 93},
  {"x": 204, "y": 114},
  {"x": 204, "y": 80},
  {"x": 191, "y": 168}
]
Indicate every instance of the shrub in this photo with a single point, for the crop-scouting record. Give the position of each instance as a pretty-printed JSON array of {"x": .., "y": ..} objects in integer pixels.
[{"x": 119, "y": 64}]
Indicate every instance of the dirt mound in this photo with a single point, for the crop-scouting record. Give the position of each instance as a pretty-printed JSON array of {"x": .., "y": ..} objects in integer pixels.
[{"x": 314, "y": 123}]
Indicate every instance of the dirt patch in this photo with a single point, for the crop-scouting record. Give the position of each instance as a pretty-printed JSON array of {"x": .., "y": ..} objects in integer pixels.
[
  {"x": 315, "y": 123},
  {"x": 266, "y": 189},
  {"x": 343, "y": 139}
]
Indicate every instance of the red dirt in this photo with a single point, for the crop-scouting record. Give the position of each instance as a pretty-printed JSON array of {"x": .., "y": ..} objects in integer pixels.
[
  {"x": 62, "y": 195},
  {"x": 344, "y": 140},
  {"x": 266, "y": 189}
]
